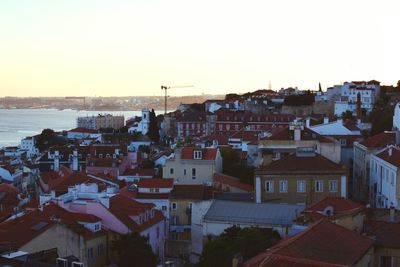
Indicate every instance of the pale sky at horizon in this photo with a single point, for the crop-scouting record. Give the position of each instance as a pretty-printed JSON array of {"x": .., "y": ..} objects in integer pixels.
[{"x": 128, "y": 47}]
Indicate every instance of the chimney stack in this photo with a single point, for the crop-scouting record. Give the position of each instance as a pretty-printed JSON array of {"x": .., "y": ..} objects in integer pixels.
[
  {"x": 308, "y": 122},
  {"x": 75, "y": 160},
  {"x": 390, "y": 151},
  {"x": 326, "y": 120},
  {"x": 391, "y": 214},
  {"x": 56, "y": 161}
]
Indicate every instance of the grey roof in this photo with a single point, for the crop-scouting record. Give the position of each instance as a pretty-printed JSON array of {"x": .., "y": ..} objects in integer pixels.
[
  {"x": 253, "y": 213},
  {"x": 243, "y": 197}
]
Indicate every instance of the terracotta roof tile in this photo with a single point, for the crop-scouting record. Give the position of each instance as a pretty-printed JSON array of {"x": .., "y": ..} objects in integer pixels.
[
  {"x": 208, "y": 153},
  {"x": 156, "y": 183},
  {"x": 393, "y": 159},
  {"x": 380, "y": 140},
  {"x": 294, "y": 164},
  {"x": 323, "y": 242},
  {"x": 199, "y": 192},
  {"x": 341, "y": 206},
  {"x": 232, "y": 181}
]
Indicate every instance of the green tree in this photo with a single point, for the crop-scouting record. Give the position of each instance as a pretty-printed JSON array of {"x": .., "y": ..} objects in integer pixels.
[
  {"x": 46, "y": 139},
  {"x": 134, "y": 250},
  {"x": 347, "y": 115},
  {"x": 153, "y": 127},
  {"x": 233, "y": 165},
  {"x": 247, "y": 241}
]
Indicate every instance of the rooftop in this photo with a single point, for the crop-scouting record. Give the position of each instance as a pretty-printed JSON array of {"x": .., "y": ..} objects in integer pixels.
[
  {"x": 293, "y": 164},
  {"x": 323, "y": 242},
  {"x": 380, "y": 140},
  {"x": 244, "y": 212}
]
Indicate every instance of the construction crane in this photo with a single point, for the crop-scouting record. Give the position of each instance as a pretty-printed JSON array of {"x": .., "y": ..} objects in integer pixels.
[{"x": 165, "y": 88}]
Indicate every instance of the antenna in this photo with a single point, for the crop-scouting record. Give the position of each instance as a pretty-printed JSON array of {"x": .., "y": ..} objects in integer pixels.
[{"x": 163, "y": 87}]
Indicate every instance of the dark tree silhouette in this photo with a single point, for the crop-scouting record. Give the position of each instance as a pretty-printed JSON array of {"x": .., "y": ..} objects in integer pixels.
[
  {"x": 153, "y": 128},
  {"x": 134, "y": 250}
]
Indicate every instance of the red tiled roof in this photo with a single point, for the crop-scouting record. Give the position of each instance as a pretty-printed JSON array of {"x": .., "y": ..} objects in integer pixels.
[
  {"x": 323, "y": 242},
  {"x": 152, "y": 196},
  {"x": 232, "y": 181},
  {"x": 386, "y": 234},
  {"x": 285, "y": 261},
  {"x": 208, "y": 153},
  {"x": 394, "y": 159},
  {"x": 248, "y": 136},
  {"x": 156, "y": 183},
  {"x": 306, "y": 134},
  {"x": 293, "y": 164},
  {"x": 341, "y": 206},
  {"x": 199, "y": 192},
  {"x": 123, "y": 208},
  {"x": 9, "y": 194},
  {"x": 21, "y": 230},
  {"x": 380, "y": 140}
]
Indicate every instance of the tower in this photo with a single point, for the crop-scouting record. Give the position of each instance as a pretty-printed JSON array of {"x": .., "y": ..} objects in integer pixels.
[{"x": 145, "y": 120}]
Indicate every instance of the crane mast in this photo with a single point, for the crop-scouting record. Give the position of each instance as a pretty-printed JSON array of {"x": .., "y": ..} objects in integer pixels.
[{"x": 165, "y": 88}]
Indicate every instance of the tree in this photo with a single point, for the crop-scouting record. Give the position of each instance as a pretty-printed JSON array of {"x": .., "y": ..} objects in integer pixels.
[
  {"x": 246, "y": 241},
  {"x": 134, "y": 250},
  {"x": 347, "y": 115},
  {"x": 46, "y": 139},
  {"x": 153, "y": 127},
  {"x": 233, "y": 165}
]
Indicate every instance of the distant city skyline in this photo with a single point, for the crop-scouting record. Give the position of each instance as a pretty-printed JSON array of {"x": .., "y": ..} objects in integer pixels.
[{"x": 131, "y": 48}]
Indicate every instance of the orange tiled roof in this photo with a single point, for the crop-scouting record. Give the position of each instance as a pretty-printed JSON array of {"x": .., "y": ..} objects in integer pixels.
[
  {"x": 232, "y": 181},
  {"x": 208, "y": 153}
]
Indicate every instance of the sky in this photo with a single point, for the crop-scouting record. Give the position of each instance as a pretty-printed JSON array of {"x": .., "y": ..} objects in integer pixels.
[{"x": 132, "y": 47}]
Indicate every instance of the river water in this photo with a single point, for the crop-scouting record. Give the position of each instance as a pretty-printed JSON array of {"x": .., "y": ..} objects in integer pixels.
[{"x": 16, "y": 124}]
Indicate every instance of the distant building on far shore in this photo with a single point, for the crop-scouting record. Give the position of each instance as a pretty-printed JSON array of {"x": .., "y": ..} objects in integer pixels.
[{"x": 100, "y": 121}]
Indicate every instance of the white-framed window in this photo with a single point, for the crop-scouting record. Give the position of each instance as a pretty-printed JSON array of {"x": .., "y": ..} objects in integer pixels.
[
  {"x": 174, "y": 206},
  {"x": 193, "y": 173},
  {"x": 197, "y": 154},
  {"x": 319, "y": 186},
  {"x": 301, "y": 186},
  {"x": 184, "y": 171},
  {"x": 164, "y": 208},
  {"x": 283, "y": 186},
  {"x": 392, "y": 178},
  {"x": 269, "y": 186},
  {"x": 154, "y": 190},
  {"x": 171, "y": 171},
  {"x": 332, "y": 185},
  {"x": 228, "y": 127},
  {"x": 96, "y": 227},
  {"x": 343, "y": 142}
]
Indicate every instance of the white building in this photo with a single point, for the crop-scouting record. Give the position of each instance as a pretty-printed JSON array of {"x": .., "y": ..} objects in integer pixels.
[
  {"x": 349, "y": 92},
  {"x": 385, "y": 178},
  {"x": 143, "y": 125},
  {"x": 396, "y": 117},
  {"x": 28, "y": 144}
]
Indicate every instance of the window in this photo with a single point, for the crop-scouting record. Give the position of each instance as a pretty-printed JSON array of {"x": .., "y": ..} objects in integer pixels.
[
  {"x": 154, "y": 190},
  {"x": 190, "y": 205},
  {"x": 174, "y": 206},
  {"x": 96, "y": 227},
  {"x": 269, "y": 186},
  {"x": 164, "y": 208},
  {"x": 171, "y": 171},
  {"x": 392, "y": 178},
  {"x": 197, "y": 154},
  {"x": 301, "y": 186},
  {"x": 283, "y": 186},
  {"x": 90, "y": 253},
  {"x": 184, "y": 172},
  {"x": 220, "y": 127},
  {"x": 100, "y": 250},
  {"x": 385, "y": 261},
  {"x": 193, "y": 173},
  {"x": 228, "y": 127},
  {"x": 319, "y": 186},
  {"x": 332, "y": 186},
  {"x": 343, "y": 142}
]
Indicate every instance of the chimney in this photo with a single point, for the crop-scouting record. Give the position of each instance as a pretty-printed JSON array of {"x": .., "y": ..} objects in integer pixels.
[
  {"x": 258, "y": 189},
  {"x": 75, "y": 160},
  {"x": 340, "y": 120},
  {"x": 391, "y": 214},
  {"x": 56, "y": 161},
  {"x": 326, "y": 120},
  {"x": 308, "y": 122},
  {"x": 297, "y": 134},
  {"x": 390, "y": 151},
  {"x": 397, "y": 133},
  {"x": 358, "y": 111}
]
